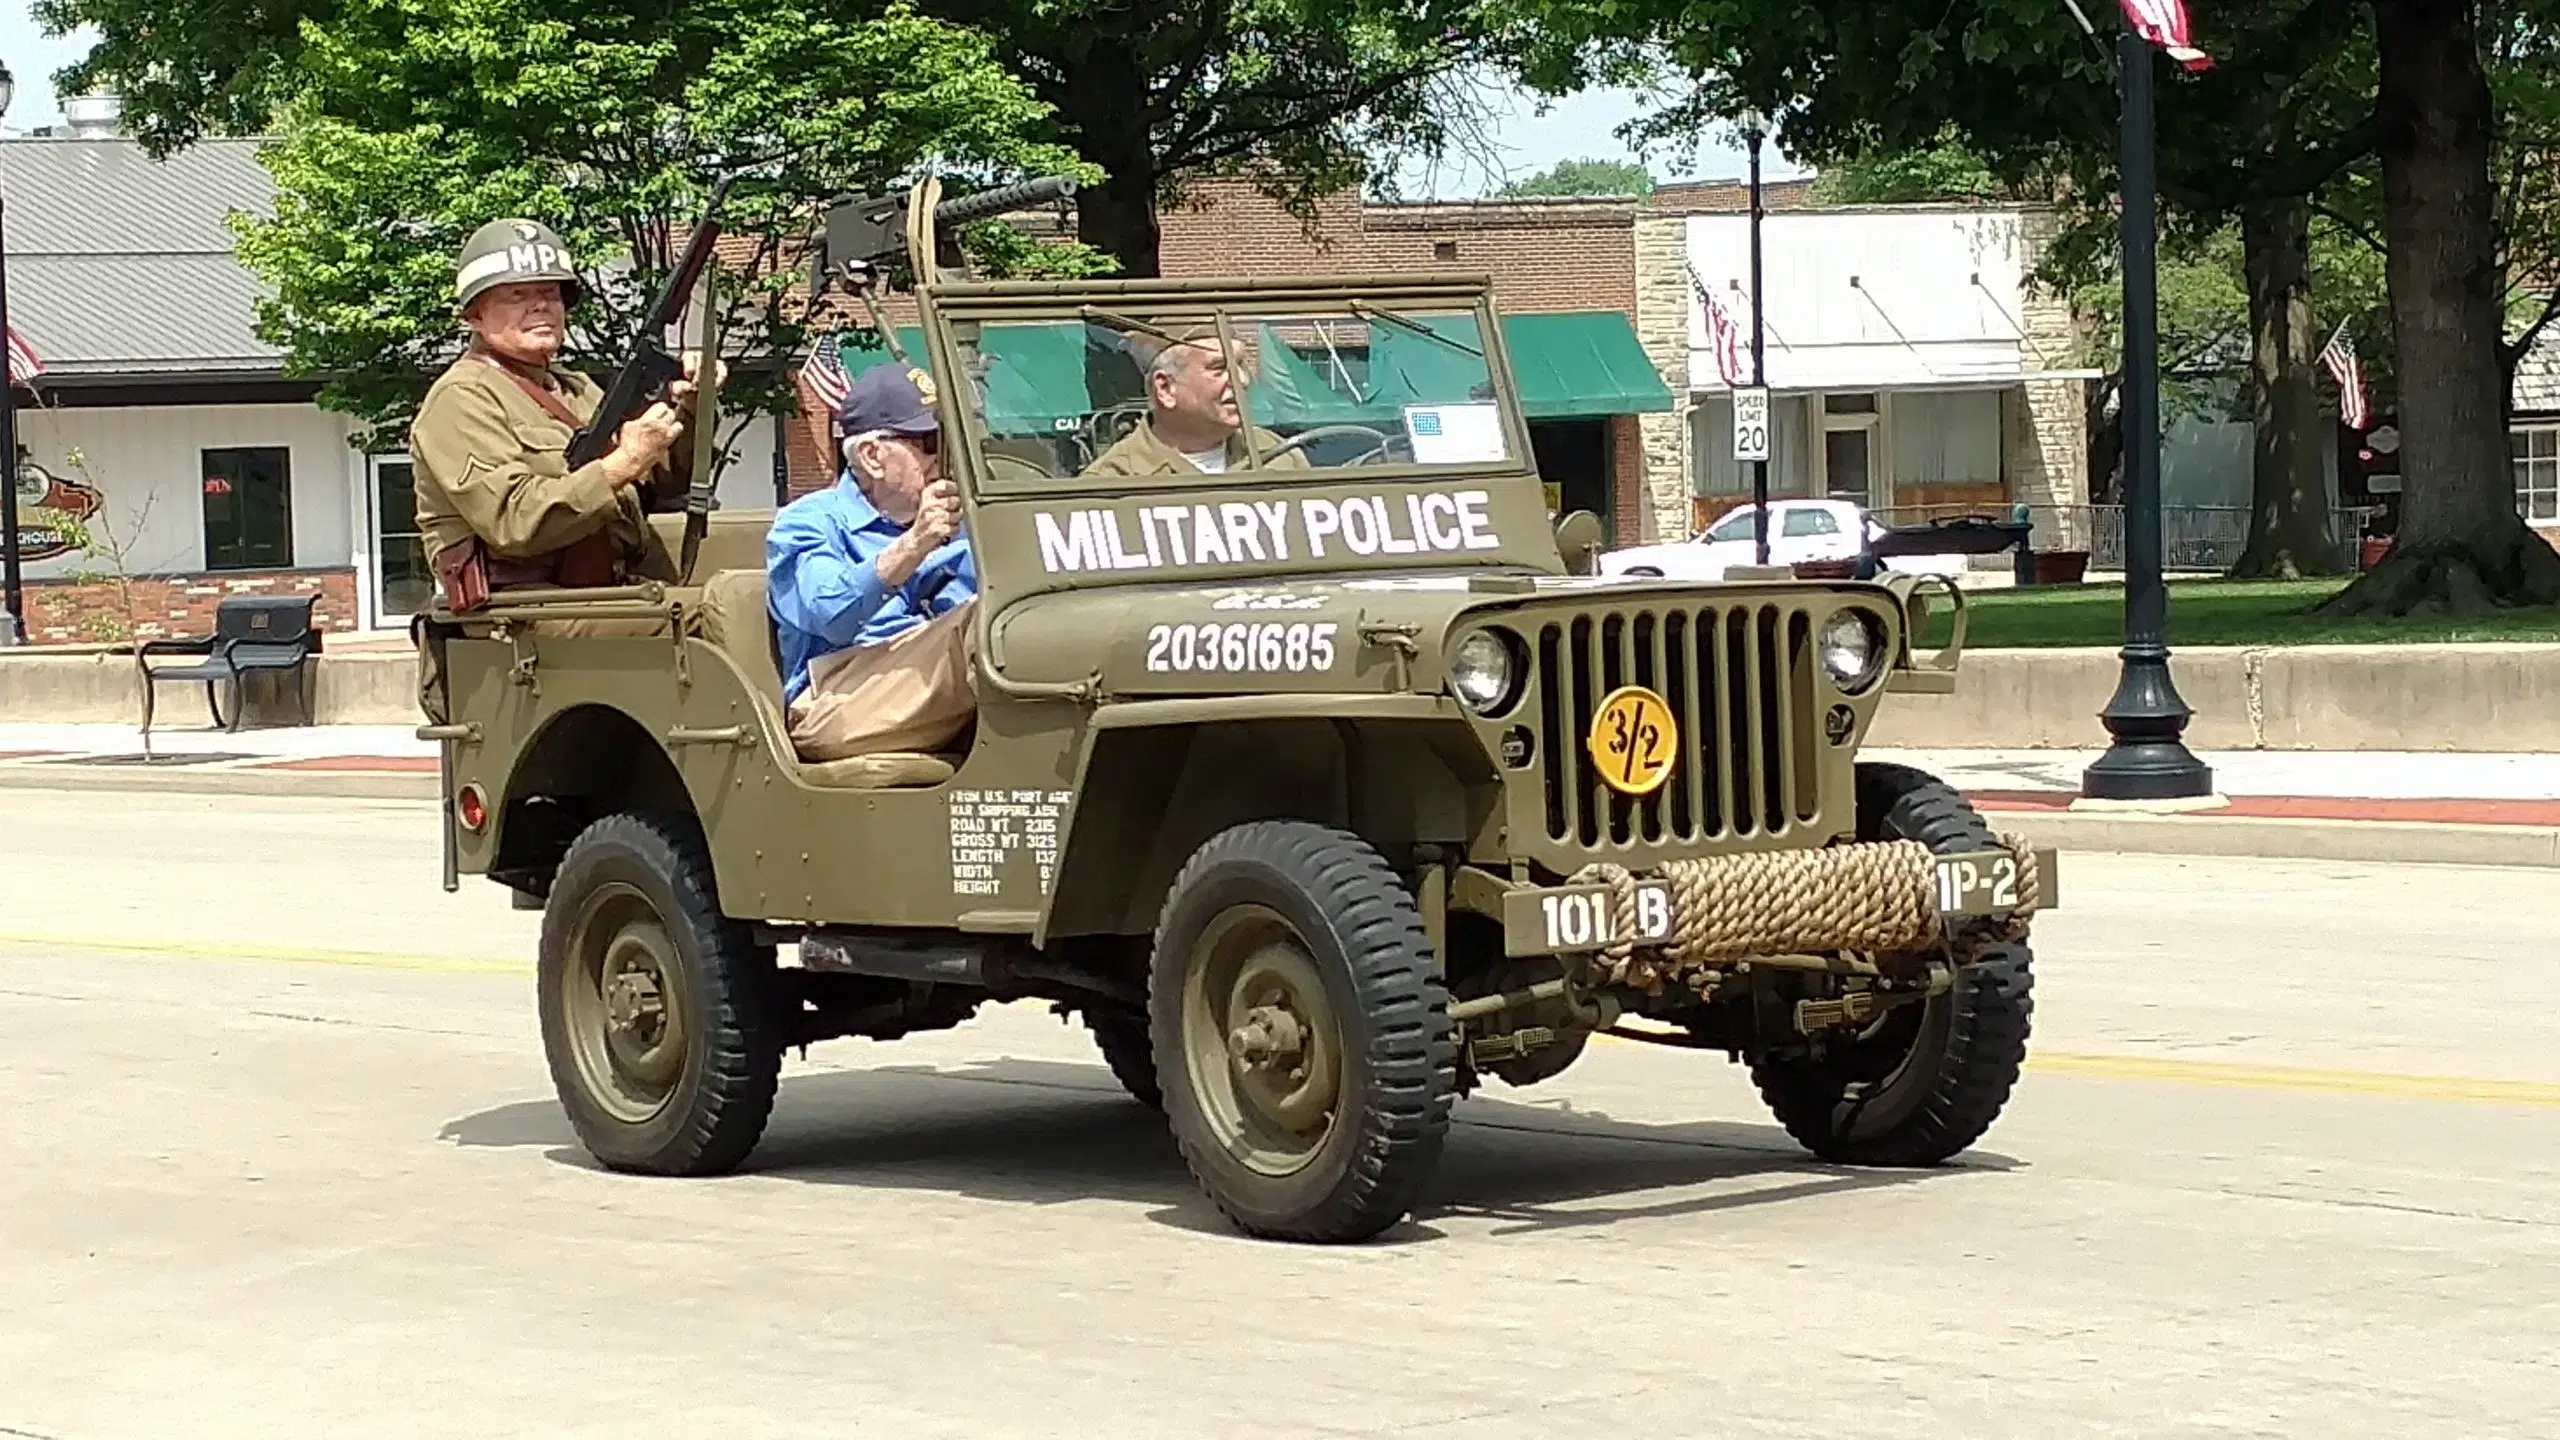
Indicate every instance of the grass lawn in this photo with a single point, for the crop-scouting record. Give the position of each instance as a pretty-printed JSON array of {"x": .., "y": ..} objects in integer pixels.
[{"x": 2210, "y": 612}]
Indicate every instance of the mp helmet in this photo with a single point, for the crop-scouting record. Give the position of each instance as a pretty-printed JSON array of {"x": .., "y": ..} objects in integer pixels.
[{"x": 509, "y": 252}]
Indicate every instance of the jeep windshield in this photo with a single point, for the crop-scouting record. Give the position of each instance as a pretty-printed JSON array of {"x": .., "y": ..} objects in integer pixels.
[{"x": 1142, "y": 392}]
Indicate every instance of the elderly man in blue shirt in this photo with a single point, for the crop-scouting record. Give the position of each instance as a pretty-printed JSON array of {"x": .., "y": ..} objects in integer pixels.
[{"x": 872, "y": 585}]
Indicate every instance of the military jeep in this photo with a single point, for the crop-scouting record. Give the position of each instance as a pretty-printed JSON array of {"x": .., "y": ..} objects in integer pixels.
[{"x": 1318, "y": 789}]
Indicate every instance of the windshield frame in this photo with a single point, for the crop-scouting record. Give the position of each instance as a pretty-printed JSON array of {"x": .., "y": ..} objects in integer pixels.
[{"x": 944, "y": 310}]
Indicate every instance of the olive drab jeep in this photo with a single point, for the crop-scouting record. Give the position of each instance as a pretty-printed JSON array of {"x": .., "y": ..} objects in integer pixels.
[{"x": 1320, "y": 786}]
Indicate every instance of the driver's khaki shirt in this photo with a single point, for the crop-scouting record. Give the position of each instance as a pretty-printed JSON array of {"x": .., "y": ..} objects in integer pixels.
[{"x": 1143, "y": 452}]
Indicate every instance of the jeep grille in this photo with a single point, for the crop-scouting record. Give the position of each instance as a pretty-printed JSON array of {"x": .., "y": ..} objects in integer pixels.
[{"x": 1740, "y": 682}]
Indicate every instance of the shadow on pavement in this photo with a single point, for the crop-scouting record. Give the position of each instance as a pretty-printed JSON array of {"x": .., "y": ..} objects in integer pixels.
[{"x": 1044, "y": 1133}]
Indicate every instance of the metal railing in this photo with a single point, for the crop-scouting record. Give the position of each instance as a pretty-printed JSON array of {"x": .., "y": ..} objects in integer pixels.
[{"x": 2192, "y": 537}]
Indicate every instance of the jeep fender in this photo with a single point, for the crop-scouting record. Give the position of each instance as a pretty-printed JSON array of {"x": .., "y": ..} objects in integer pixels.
[{"x": 1158, "y": 778}]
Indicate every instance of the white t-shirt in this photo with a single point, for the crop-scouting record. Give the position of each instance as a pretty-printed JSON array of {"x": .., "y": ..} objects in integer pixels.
[{"x": 1212, "y": 461}]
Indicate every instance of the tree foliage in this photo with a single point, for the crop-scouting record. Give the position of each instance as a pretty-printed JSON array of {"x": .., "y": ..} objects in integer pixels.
[
  {"x": 1309, "y": 96},
  {"x": 410, "y": 130},
  {"x": 1569, "y": 179}
]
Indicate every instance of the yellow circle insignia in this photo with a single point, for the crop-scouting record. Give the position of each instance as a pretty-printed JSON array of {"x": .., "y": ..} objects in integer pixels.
[
  {"x": 1633, "y": 740},
  {"x": 924, "y": 384}
]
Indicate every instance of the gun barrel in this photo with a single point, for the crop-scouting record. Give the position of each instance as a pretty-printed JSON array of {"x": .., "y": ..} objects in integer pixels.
[{"x": 987, "y": 204}]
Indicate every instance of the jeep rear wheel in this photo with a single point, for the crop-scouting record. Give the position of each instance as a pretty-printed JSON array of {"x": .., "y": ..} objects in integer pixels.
[
  {"x": 1122, "y": 1037},
  {"x": 1926, "y": 1080},
  {"x": 1302, "y": 1039},
  {"x": 658, "y": 1012}
]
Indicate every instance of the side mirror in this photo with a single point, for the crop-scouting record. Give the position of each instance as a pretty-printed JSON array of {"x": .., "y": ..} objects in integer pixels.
[{"x": 1578, "y": 537}]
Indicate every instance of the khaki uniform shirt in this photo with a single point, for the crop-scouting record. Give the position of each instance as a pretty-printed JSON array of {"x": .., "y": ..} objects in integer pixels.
[
  {"x": 1143, "y": 452},
  {"x": 487, "y": 460}
]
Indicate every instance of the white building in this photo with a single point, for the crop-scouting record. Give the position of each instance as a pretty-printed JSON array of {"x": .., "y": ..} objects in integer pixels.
[
  {"x": 1910, "y": 367},
  {"x": 168, "y": 428}
]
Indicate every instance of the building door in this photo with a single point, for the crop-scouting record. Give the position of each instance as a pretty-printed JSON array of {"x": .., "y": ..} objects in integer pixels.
[
  {"x": 1849, "y": 449},
  {"x": 403, "y": 586}
]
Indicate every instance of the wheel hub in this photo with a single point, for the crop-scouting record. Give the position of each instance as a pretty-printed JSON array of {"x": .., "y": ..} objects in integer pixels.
[
  {"x": 634, "y": 1006},
  {"x": 1271, "y": 1038},
  {"x": 1263, "y": 1046}
]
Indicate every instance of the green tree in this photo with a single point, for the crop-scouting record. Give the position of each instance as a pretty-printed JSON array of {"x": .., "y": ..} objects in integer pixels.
[
  {"x": 1572, "y": 178},
  {"x": 1306, "y": 95},
  {"x": 404, "y": 135},
  {"x": 2018, "y": 84}
]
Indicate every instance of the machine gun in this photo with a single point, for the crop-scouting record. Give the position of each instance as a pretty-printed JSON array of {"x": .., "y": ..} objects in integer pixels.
[
  {"x": 861, "y": 233},
  {"x": 644, "y": 377}
]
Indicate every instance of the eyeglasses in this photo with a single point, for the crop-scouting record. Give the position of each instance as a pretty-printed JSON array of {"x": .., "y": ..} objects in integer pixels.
[{"x": 930, "y": 442}]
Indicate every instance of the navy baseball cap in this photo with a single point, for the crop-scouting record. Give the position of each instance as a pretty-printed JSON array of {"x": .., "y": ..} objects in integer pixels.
[{"x": 896, "y": 398}]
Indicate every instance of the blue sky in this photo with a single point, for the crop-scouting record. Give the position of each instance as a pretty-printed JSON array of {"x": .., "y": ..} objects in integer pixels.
[{"x": 1526, "y": 140}]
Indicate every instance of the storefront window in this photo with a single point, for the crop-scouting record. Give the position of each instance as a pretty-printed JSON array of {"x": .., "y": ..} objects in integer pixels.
[
  {"x": 248, "y": 508},
  {"x": 2535, "y": 450}
]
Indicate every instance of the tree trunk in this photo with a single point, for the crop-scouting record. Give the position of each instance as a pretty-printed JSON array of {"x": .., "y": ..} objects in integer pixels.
[
  {"x": 2289, "y": 534},
  {"x": 1109, "y": 120},
  {"x": 2461, "y": 548}
]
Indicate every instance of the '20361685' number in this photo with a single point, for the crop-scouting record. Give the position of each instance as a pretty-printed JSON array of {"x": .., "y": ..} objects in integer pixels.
[{"x": 1244, "y": 646}]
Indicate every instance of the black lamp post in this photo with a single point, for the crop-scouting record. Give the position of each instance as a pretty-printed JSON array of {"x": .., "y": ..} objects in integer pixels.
[
  {"x": 2149, "y": 759},
  {"x": 13, "y": 619},
  {"x": 1755, "y": 128}
]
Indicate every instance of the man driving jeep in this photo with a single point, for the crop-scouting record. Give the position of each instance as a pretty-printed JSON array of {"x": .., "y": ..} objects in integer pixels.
[{"x": 1195, "y": 422}]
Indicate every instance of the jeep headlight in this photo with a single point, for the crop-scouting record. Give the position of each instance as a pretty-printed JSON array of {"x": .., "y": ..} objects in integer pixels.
[
  {"x": 1482, "y": 673},
  {"x": 1853, "y": 650}
]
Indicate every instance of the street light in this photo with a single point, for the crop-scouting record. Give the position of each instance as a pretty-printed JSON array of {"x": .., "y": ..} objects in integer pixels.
[
  {"x": 2149, "y": 759},
  {"x": 13, "y": 618},
  {"x": 1755, "y": 128}
]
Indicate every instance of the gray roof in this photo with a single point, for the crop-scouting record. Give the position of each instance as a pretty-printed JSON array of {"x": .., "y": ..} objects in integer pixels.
[
  {"x": 2537, "y": 386},
  {"x": 119, "y": 264}
]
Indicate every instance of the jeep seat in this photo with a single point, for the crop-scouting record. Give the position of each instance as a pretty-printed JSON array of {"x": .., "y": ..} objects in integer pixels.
[{"x": 733, "y": 617}]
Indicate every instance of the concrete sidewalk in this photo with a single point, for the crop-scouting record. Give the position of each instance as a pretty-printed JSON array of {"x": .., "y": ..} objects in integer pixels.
[{"x": 2501, "y": 809}]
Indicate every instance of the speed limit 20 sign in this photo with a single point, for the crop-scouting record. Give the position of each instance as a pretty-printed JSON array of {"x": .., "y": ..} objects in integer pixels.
[{"x": 1751, "y": 424}]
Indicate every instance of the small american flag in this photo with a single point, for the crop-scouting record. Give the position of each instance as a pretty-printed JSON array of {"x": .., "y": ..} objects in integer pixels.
[
  {"x": 2340, "y": 356},
  {"x": 24, "y": 364},
  {"x": 824, "y": 372},
  {"x": 1723, "y": 336},
  {"x": 1426, "y": 422},
  {"x": 2164, "y": 23}
]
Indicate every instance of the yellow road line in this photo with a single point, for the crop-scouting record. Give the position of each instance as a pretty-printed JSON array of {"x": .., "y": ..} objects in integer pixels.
[
  {"x": 2300, "y": 1080},
  {"x": 284, "y": 954},
  {"x": 2222, "y": 1074}
]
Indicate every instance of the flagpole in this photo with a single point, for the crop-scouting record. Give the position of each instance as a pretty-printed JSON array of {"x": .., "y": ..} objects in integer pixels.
[
  {"x": 13, "y": 618},
  {"x": 2149, "y": 759},
  {"x": 1759, "y": 368}
]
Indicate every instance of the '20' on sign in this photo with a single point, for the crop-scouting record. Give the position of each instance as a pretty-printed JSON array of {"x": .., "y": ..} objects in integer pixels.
[{"x": 1751, "y": 424}]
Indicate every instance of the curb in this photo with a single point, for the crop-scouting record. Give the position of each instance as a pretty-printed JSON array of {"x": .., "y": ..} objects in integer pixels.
[
  {"x": 2231, "y": 837},
  {"x": 255, "y": 780},
  {"x": 2365, "y": 841}
]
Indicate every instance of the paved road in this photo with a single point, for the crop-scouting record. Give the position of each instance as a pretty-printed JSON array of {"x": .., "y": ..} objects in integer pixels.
[{"x": 283, "y": 1161}]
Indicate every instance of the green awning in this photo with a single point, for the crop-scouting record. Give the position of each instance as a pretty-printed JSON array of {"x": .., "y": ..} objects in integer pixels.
[
  {"x": 1576, "y": 365},
  {"x": 1035, "y": 373},
  {"x": 1582, "y": 364}
]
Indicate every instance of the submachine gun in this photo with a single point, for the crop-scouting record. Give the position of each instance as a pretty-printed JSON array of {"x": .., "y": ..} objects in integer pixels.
[
  {"x": 644, "y": 378},
  {"x": 861, "y": 234}
]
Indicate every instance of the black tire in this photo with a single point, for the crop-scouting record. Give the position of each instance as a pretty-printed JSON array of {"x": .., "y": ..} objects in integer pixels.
[
  {"x": 1312, "y": 920},
  {"x": 1128, "y": 1049},
  {"x": 634, "y": 895},
  {"x": 1939, "y": 1073}
]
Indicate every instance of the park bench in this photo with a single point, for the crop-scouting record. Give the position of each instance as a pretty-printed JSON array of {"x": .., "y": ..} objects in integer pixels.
[{"x": 252, "y": 634}]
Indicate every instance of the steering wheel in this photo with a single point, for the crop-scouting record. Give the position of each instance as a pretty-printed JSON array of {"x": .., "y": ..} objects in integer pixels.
[
  {"x": 1324, "y": 432},
  {"x": 1000, "y": 461}
]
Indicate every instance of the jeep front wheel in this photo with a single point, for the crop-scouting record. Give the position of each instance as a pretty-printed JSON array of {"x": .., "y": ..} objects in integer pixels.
[
  {"x": 658, "y": 1012},
  {"x": 1926, "y": 1080},
  {"x": 1303, "y": 1042}
]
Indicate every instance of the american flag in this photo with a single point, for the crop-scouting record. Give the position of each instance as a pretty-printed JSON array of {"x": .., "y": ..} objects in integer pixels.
[
  {"x": 2164, "y": 23},
  {"x": 24, "y": 364},
  {"x": 824, "y": 372},
  {"x": 2340, "y": 357},
  {"x": 1723, "y": 336}
]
